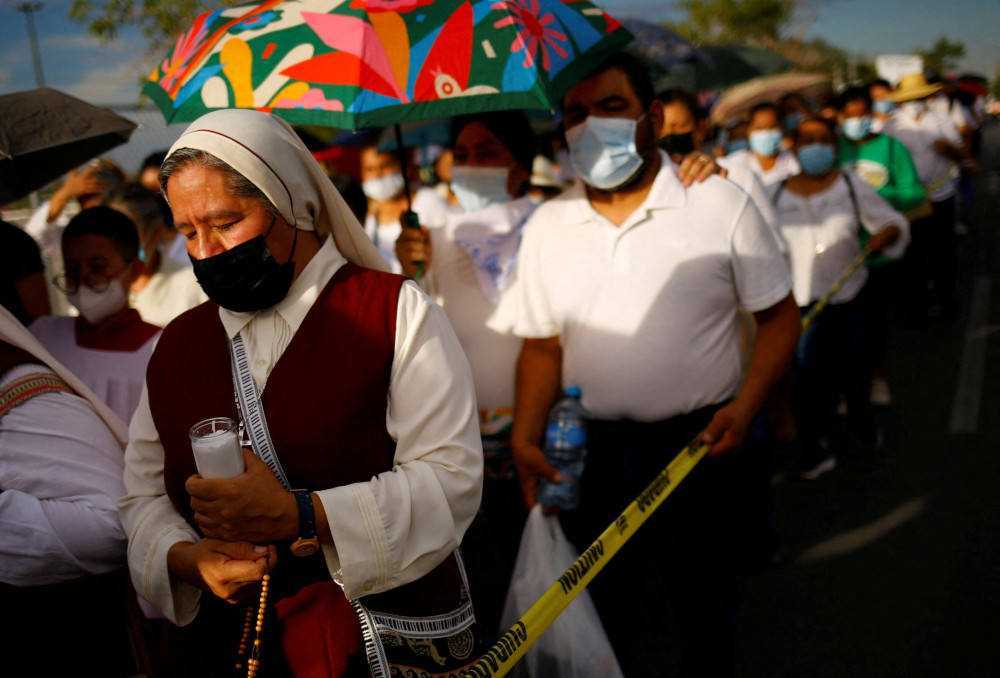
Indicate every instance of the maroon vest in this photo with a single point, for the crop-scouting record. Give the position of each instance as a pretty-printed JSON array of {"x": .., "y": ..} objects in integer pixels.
[
  {"x": 335, "y": 375},
  {"x": 11, "y": 355}
]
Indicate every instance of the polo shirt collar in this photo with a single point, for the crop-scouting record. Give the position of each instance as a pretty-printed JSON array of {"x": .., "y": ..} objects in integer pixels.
[
  {"x": 301, "y": 295},
  {"x": 666, "y": 192}
]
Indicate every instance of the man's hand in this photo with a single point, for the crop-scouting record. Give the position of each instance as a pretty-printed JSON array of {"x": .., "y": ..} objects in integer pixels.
[
  {"x": 414, "y": 247},
  {"x": 727, "y": 429},
  {"x": 251, "y": 507},
  {"x": 230, "y": 570},
  {"x": 531, "y": 467},
  {"x": 696, "y": 167}
]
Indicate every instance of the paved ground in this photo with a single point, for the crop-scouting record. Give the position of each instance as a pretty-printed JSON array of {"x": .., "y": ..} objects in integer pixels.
[{"x": 892, "y": 559}]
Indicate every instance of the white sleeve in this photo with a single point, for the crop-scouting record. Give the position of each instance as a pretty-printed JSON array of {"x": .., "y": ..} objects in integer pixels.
[
  {"x": 60, "y": 476},
  {"x": 401, "y": 524},
  {"x": 152, "y": 524},
  {"x": 877, "y": 214},
  {"x": 531, "y": 307},
  {"x": 759, "y": 268}
]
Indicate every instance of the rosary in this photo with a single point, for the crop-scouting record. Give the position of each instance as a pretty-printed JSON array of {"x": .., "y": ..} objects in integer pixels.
[{"x": 253, "y": 662}]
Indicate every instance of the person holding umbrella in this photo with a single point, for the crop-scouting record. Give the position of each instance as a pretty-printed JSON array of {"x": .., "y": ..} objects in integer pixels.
[
  {"x": 370, "y": 465},
  {"x": 382, "y": 181}
]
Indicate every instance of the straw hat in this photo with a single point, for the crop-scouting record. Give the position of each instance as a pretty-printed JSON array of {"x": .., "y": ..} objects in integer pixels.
[{"x": 913, "y": 86}]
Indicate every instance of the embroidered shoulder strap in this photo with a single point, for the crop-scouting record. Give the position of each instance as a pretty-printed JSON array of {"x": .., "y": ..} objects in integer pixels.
[
  {"x": 251, "y": 412},
  {"x": 27, "y": 387}
]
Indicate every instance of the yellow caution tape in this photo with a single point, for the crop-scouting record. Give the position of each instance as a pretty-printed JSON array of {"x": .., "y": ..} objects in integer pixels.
[{"x": 513, "y": 644}]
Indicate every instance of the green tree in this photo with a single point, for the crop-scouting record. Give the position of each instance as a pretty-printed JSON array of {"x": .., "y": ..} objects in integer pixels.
[
  {"x": 944, "y": 55},
  {"x": 748, "y": 22},
  {"x": 159, "y": 20}
]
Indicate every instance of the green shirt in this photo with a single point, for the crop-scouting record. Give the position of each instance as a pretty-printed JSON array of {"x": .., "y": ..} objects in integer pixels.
[{"x": 888, "y": 168}]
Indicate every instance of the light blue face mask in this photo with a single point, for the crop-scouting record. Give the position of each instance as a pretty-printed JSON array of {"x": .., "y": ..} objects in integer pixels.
[
  {"x": 602, "y": 151},
  {"x": 479, "y": 187},
  {"x": 765, "y": 142},
  {"x": 857, "y": 129},
  {"x": 816, "y": 159},
  {"x": 883, "y": 106}
]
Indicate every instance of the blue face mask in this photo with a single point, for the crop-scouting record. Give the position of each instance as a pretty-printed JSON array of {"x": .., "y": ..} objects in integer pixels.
[
  {"x": 883, "y": 106},
  {"x": 602, "y": 151},
  {"x": 479, "y": 187},
  {"x": 857, "y": 129},
  {"x": 816, "y": 159},
  {"x": 765, "y": 142}
]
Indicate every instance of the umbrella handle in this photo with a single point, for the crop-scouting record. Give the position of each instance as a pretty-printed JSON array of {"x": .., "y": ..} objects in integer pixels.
[{"x": 409, "y": 219}]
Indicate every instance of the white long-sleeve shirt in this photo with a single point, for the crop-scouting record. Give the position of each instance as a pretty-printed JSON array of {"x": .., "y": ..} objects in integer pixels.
[
  {"x": 388, "y": 531},
  {"x": 60, "y": 476}
]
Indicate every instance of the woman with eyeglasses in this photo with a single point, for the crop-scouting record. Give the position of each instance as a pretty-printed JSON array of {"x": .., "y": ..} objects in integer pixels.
[{"x": 109, "y": 344}]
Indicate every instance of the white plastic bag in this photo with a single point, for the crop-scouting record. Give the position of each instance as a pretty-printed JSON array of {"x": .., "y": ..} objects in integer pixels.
[{"x": 575, "y": 645}]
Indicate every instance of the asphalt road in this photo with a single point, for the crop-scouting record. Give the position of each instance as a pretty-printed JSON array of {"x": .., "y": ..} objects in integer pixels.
[{"x": 891, "y": 560}]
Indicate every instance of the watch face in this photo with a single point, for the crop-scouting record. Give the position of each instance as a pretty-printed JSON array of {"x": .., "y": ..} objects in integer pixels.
[{"x": 304, "y": 547}]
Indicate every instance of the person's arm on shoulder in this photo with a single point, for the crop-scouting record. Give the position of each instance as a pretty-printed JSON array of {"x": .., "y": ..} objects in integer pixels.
[
  {"x": 61, "y": 476},
  {"x": 778, "y": 329}
]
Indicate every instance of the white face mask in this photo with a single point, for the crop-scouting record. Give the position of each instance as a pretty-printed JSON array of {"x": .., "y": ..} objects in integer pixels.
[
  {"x": 383, "y": 188},
  {"x": 603, "y": 151},
  {"x": 98, "y": 306},
  {"x": 914, "y": 109},
  {"x": 479, "y": 187}
]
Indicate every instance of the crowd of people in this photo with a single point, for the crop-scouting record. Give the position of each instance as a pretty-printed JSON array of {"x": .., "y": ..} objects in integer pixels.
[{"x": 391, "y": 345}]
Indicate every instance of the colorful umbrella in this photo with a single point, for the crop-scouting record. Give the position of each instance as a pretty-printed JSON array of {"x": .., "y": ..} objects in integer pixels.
[
  {"x": 741, "y": 98},
  {"x": 369, "y": 63},
  {"x": 45, "y": 133}
]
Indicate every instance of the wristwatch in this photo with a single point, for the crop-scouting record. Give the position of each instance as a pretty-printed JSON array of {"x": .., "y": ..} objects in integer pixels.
[{"x": 307, "y": 543}]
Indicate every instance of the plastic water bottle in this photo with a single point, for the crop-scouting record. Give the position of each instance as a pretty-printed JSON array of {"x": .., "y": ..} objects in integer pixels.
[{"x": 566, "y": 449}]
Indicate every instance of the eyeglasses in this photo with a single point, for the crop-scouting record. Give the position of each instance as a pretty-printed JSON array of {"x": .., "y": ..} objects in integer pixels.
[{"x": 96, "y": 281}]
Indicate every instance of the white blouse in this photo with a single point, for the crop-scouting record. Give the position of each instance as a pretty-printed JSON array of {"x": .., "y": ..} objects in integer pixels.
[{"x": 823, "y": 236}]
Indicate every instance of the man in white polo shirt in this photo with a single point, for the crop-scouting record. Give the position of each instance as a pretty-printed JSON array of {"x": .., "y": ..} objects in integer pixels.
[{"x": 628, "y": 287}]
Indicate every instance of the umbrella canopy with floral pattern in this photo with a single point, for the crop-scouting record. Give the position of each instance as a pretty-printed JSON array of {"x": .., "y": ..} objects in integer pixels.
[{"x": 354, "y": 64}]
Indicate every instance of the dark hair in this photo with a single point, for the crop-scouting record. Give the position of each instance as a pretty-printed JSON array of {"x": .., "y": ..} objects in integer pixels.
[
  {"x": 154, "y": 159},
  {"x": 108, "y": 223},
  {"x": 511, "y": 128},
  {"x": 684, "y": 98},
  {"x": 352, "y": 193},
  {"x": 852, "y": 94},
  {"x": 237, "y": 184},
  {"x": 765, "y": 106},
  {"x": 879, "y": 83},
  {"x": 829, "y": 124},
  {"x": 635, "y": 72},
  {"x": 141, "y": 206}
]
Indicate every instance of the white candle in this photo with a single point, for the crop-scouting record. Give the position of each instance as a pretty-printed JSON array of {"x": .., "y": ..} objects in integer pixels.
[{"x": 216, "y": 448}]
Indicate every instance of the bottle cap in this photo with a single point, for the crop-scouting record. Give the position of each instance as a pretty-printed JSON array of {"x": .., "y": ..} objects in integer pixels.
[{"x": 573, "y": 391}]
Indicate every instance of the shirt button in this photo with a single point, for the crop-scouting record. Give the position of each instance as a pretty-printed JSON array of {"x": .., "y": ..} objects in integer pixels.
[
  {"x": 820, "y": 248},
  {"x": 261, "y": 363},
  {"x": 369, "y": 586}
]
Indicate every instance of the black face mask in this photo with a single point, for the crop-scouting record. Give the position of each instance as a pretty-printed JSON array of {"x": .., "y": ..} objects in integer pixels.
[
  {"x": 677, "y": 143},
  {"x": 246, "y": 277}
]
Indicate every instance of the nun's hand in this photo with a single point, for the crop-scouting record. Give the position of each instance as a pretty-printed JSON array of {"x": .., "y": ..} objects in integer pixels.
[
  {"x": 414, "y": 247},
  {"x": 251, "y": 507},
  {"x": 231, "y": 571}
]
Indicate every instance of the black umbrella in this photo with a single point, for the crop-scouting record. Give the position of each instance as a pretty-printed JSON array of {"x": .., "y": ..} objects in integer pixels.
[{"x": 45, "y": 133}]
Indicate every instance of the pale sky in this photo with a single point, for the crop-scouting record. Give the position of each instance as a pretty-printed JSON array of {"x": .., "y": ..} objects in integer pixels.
[{"x": 111, "y": 74}]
